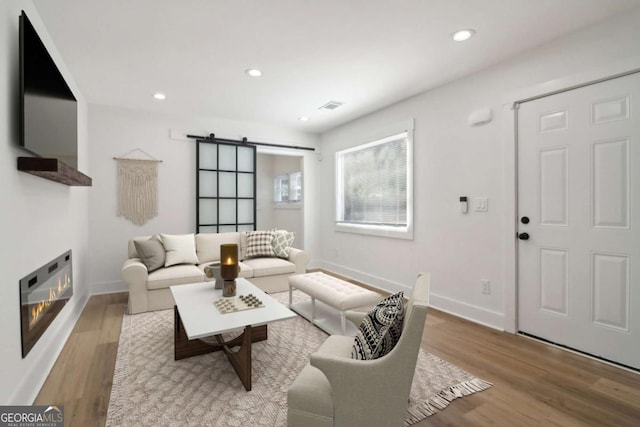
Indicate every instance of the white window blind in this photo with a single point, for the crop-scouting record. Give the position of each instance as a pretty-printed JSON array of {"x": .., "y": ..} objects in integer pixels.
[{"x": 373, "y": 184}]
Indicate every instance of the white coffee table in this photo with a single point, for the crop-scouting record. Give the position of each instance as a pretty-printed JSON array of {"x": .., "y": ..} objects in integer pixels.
[{"x": 197, "y": 317}]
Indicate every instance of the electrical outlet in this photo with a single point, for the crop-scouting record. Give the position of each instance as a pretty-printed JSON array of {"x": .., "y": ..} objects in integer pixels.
[{"x": 486, "y": 287}]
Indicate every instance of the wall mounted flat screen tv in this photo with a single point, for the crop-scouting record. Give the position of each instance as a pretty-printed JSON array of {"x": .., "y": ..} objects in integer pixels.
[{"x": 49, "y": 114}]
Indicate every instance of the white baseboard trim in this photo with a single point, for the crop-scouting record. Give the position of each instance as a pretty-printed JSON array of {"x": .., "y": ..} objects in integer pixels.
[
  {"x": 314, "y": 263},
  {"x": 47, "y": 351},
  {"x": 473, "y": 313},
  {"x": 109, "y": 287},
  {"x": 457, "y": 308}
]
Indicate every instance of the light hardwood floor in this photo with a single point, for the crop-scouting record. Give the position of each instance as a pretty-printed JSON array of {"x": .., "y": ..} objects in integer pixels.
[{"x": 534, "y": 384}]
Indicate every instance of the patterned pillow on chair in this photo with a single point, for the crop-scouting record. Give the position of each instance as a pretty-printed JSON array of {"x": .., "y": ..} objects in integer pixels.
[
  {"x": 259, "y": 244},
  {"x": 380, "y": 329}
]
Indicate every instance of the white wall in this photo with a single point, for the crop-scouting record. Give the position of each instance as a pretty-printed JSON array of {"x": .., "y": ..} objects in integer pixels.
[
  {"x": 289, "y": 216},
  {"x": 115, "y": 131},
  {"x": 40, "y": 220},
  {"x": 452, "y": 160},
  {"x": 264, "y": 194},
  {"x": 285, "y": 216}
]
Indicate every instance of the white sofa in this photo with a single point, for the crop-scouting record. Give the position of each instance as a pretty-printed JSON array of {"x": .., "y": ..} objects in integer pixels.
[{"x": 150, "y": 291}]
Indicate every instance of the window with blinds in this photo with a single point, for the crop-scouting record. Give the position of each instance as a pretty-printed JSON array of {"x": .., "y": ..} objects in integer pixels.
[{"x": 373, "y": 193}]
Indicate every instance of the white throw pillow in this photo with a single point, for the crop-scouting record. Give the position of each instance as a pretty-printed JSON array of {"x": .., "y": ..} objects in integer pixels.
[{"x": 181, "y": 249}]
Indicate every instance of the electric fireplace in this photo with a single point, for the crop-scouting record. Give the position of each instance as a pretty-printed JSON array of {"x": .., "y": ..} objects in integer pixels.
[{"x": 43, "y": 294}]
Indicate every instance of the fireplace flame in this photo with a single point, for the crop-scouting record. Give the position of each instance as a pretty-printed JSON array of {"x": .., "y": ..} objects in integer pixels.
[{"x": 39, "y": 309}]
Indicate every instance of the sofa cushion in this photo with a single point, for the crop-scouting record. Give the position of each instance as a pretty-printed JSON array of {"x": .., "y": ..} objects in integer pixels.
[
  {"x": 181, "y": 249},
  {"x": 176, "y": 275},
  {"x": 246, "y": 270},
  {"x": 259, "y": 244},
  {"x": 380, "y": 329},
  {"x": 270, "y": 266},
  {"x": 281, "y": 243},
  {"x": 151, "y": 252},
  {"x": 208, "y": 245}
]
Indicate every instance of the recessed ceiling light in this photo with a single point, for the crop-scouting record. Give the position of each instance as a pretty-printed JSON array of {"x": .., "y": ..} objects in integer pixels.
[
  {"x": 462, "y": 35},
  {"x": 253, "y": 72},
  {"x": 303, "y": 118},
  {"x": 159, "y": 96}
]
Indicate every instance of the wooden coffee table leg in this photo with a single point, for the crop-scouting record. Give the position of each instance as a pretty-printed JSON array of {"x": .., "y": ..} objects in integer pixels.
[
  {"x": 184, "y": 347},
  {"x": 241, "y": 358}
]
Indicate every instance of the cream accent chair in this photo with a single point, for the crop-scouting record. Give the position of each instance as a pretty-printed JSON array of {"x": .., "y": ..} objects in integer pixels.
[{"x": 336, "y": 390}]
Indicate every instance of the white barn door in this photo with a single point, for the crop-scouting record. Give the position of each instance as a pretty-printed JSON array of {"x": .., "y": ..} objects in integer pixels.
[{"x": 579, "y": 219}]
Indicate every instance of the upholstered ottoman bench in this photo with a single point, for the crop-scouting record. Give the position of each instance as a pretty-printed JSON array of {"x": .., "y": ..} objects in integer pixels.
[{"x": 336, "y": 296}]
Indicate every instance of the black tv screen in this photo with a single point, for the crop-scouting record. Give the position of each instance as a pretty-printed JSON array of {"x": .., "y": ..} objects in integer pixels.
[{"x": 49, "y": 114}]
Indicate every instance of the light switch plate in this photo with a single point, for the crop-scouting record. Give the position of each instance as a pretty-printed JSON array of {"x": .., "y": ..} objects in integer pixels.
[{"x": 480, "y": 204}]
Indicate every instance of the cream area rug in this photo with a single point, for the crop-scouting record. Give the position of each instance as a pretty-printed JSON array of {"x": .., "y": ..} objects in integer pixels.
[{"x": 150, "y": 388}]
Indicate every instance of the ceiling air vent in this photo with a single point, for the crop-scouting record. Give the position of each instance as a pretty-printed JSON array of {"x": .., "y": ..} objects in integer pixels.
[{"x": 331, "y": 105}]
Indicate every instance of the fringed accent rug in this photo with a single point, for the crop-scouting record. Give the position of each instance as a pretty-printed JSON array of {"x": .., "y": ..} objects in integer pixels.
[{"x": 150, "y": 388}]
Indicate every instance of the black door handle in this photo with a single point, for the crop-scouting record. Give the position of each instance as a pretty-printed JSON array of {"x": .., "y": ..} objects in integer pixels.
[{"x": 523, "y": 236}]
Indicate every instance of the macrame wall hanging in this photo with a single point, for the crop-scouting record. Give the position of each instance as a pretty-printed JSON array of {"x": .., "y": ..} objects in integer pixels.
[{"x": 137, "y": 187}]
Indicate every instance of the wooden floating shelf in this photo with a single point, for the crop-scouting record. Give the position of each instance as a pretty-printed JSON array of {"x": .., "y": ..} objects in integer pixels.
[{"x": 54, "y": 170}]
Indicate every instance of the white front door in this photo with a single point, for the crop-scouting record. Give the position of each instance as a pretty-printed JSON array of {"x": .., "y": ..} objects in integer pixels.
[{"x": 579, "y": 206}]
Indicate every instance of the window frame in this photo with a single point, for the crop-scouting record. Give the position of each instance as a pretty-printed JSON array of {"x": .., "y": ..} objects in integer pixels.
[
  {"x": 294, "y": 188},
  {"x": 397, "y": 232},
  {"x": 278, "y": 183},
  {"x": 287, "y": 178}
]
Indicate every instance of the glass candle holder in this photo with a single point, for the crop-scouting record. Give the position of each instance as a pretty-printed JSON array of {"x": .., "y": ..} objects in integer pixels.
[
  {"x": 229, "y": 268},
  {"x": 229, "y": 261}
]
